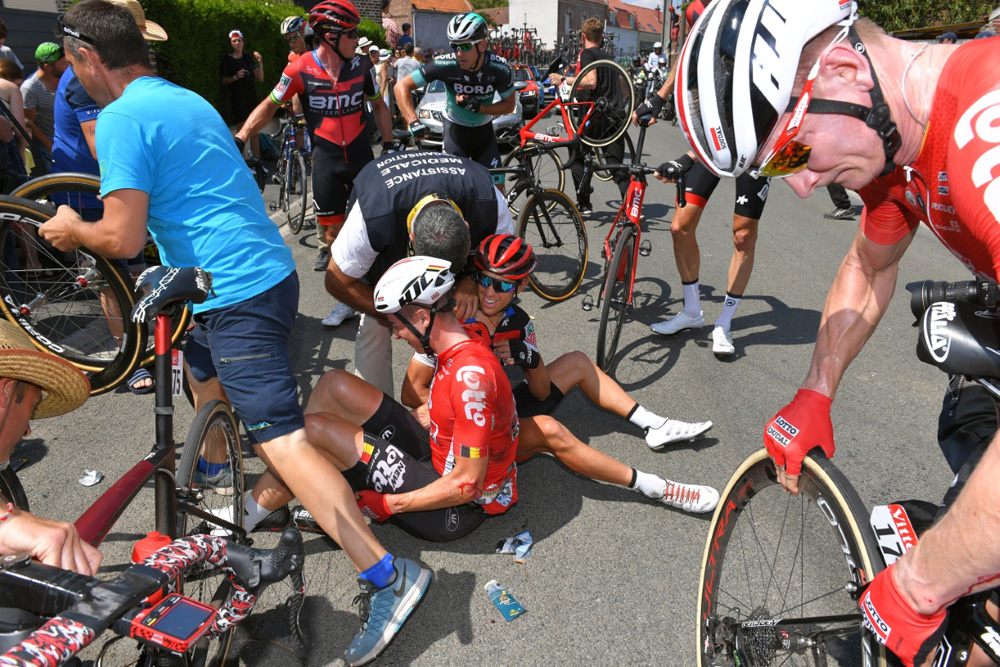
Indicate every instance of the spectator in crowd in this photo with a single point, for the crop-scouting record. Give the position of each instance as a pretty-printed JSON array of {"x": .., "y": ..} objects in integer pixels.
[
  {"x": 380, "y": 61},
  {"x": 392, "y": 33},
  {"x": 363, "y": 45},
  {"x": 6, "y": 53},
  {"x": 408, "y": 63},
  {"x": 39, "y": 91},
  {"x": 675, "y": 28},
  {"x": 12, "y": 143},
  {"x": 985, "y": 33},
  {"x": 239, "y": 71},
  {"x": 948, "y": 38},
  {"x": 418, "y": 55},
  {"x": 406, "y": 38}
]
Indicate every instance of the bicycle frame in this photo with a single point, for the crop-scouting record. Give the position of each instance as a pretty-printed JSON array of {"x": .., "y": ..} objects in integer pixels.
[{"x": 527, "y": 134}]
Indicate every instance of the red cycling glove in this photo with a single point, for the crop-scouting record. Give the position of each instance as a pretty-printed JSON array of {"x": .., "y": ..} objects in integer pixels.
[
  {"x": 910, "y": 635},
  {"x": 373, "y": 504},
  {"x": 800, "y": 426}
]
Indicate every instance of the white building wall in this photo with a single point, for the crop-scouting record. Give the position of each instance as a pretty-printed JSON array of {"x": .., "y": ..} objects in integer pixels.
[
  {"x": 540, "y": 14},
  {"x": 626, "y": 41}
]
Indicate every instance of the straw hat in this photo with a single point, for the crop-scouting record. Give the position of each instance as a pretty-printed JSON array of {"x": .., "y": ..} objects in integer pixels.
[
  {"x": 363, "y": 45},
  {"x": 64, "y": 388},
  {"x": 151, "y": 31},
  {"x": 383, "y": 55}
]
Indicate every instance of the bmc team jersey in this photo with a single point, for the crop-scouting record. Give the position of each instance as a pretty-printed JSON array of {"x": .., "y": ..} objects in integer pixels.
[
  {"x": 515, "y": 325},
  {"x": 953, "y": 185},
  {"x": 333, "y": 111},
  {"x": 204, "y": 206},
  {"x": 493, "y": 77},
  {"x": 472, "y": 416},
  {"x": 375, "y": 235}
]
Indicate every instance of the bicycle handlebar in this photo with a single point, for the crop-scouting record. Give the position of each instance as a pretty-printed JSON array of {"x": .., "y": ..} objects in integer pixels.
[{"x": 87, "y": 607}]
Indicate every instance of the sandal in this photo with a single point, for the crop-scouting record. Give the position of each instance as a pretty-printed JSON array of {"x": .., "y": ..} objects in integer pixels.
[{"x": 137, "y": 377}]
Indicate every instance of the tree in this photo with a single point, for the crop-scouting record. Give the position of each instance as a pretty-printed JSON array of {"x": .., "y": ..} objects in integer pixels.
[
  {"x": 487, "y": 4},
  {"x": 904, "y": 14}
]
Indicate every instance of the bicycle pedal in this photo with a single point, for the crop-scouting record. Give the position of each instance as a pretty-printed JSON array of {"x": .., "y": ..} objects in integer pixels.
[
  {"x": 588, "y": 303},
  {"x": 645, "y": 248}
]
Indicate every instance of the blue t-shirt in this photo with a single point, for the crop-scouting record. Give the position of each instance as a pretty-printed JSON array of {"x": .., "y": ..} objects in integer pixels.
[
  {"x": 70, "y": 151},
  {"x": 204, "y": 206}
]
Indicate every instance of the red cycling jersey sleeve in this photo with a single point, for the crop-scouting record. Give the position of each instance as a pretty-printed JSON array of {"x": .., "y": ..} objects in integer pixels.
[
  {"x": 951, "y": 186},
  {"x": 472, "y": 416}
]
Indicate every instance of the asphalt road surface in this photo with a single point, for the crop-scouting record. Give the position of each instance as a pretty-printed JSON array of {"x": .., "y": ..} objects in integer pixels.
[{"x": 612, "y": 576}]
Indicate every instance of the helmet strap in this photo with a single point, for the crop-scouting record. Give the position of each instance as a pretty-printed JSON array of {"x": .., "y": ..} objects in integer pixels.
[{"x": 425, "y": 338}]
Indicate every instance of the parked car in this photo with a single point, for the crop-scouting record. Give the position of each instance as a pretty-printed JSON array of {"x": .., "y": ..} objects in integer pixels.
[
  {"x": 430, "y": 112},
  {"x": 531, "y": 95}
]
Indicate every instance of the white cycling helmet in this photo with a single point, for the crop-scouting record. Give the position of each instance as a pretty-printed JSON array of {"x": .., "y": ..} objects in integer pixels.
[
  {"x": 292, "y": 24},
  {"x": 658, "y": 45},
  {"x": 737, "y": 70},
  {"x": 470, "y": 27},
  {"x": 416, "y": 280}
]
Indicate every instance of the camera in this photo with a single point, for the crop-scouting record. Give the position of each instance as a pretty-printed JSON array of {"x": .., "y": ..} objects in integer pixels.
[{"x": 984, "y": 293}]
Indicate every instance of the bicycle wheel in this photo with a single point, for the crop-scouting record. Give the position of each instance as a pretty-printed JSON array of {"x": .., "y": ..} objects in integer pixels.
[
  {"x": 11, "y": 490},
  {"x": 554, "y": 228},
  {"x": 605, "y": 174},
  {"x": 73, "y": 304},
  {"x": 549, "y": 173},
  {"x": 214, "y": 438},
  {"x": 616, "y": 297},
  {"x": 800, "y": 559},
  {"x": 296, "y": 195},
  {"x": 613, "y": 99}
]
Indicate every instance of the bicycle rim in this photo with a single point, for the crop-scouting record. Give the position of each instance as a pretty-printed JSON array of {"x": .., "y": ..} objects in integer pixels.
[
  {"x": 607, "y": 174},
  {"x": 549, "y": 175},
  {"x": 773, "y": 556},
  {"x": 11, "y": 490},
  {"x": 616, "y": 301},
  {"x": 293, "y": 202},
  {"x": 553, "y": 227},
  {"x": 74, "y": 304},
  {"x": 613, "y": 99},
  {"x": 214, "y": 436}
]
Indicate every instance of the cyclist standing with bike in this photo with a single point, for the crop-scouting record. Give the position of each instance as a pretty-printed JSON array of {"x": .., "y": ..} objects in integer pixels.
[
  {"x": 909, "y": 127},
  {"x": 336, "y": 82},
  {"x": 602, "y": 87},
  {"x": 472, "y": 76},
  {"x": 153, "y": 176}
]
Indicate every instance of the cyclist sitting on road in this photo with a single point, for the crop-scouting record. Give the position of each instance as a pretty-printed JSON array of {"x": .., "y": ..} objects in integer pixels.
[
  {"x": 472, "y": 76},
  {"x": 910, "y": 127},
  {"x": 36, "y": 385},
  {"x": 335, "y": 82},
  {"x": 420, "y": 202},
  {"x": 604, "y": 87},
  {"x": 503, "y": 263},
  {"x": 200, "y": 203}
]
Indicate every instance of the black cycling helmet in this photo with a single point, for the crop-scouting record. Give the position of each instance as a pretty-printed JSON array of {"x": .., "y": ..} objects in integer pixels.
[{"x": 505, "y": 255}]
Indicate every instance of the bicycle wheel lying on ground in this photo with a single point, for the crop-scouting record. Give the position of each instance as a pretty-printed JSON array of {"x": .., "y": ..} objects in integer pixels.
[
  {"x": 615, "y": 296},
  {"x": 74, "y": 304},
  {"x": 609, "y": 87},
  {"x": 211, "y": 468},
  {"x": 553, "y": 227},
  {"x": 780, "y": 574},
  {"x": 548, "y": 170},
  {"x": 79, "y": 191},
  {"x": 294, "y": 194}
]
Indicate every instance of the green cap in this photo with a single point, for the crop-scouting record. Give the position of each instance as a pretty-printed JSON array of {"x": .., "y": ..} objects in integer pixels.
[{"x": 48, "y": 52}]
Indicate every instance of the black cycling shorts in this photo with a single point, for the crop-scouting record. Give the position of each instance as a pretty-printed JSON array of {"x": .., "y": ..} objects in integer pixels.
[
  {"x": 529, "y": 406},
  {"x": 476, "y": 143},
  {"x": 400, "y": 462},
  {"x": 333, "y": 170},
  {"x": 751, "y": 193}
]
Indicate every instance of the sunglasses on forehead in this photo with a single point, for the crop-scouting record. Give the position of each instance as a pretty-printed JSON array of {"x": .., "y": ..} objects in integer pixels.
[
  {"x": 499, "y": 286},
  {"x": 73, "y": 32}
]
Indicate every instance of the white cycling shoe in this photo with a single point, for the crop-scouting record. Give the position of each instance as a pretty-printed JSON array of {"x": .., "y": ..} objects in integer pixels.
[
  {"x": 722, "y": 342},
  {"x": 674, "y": 430},
  {"x": 692, "y": 498},
  {"x": 678, "y": 322}
]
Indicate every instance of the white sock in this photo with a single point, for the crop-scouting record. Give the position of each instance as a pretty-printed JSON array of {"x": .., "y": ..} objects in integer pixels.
[
  {"x": 650, "y": 486},
  {"x": 252, "y": 513},
  {"x": 728, "y": 310},
  {"x": 692, "y": 299},
  {"x": 644, "y": 419}
]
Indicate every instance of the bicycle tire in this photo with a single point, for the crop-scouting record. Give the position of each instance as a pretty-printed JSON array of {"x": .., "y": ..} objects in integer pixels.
[
  {"x": 609, "y": 120},
  {"x": 549, "y": 174},
  {"x": 297, "y": 195},
  {"x": 214, "y": 428},
  {"x": 552, "y": 225},
  {"x": 70, "y": 183},
  {"x": 604, "y": 174},
  {"x": 615, "y": 297},
  {"x": 753, "y": 521},
  {"x": 69, "y": 305},
  {"x": 11, "y": 490}
]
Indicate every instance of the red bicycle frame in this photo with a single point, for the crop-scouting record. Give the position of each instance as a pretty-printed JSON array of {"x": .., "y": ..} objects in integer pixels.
[
  {"x": 631, "y": 208},
  {"x": 528, "y": 135}
]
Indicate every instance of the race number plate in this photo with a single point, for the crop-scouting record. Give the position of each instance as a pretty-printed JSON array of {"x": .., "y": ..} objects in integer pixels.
[
  {"x": 177, "y": 373},
  {"x": 894, "y": 531}
]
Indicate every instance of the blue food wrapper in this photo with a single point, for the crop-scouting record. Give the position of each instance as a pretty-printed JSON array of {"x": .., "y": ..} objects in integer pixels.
[
  {"x": 519, "y": 545},
  {"x": 505, "y": 603}
]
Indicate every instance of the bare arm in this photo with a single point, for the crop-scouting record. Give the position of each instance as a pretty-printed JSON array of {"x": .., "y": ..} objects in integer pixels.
[
  {"x": 403, "y": 90},
  {"x": 89, "y": 129},
  {"x": 259, "y": 117},
  {"x": 351, "y": 291},
  {"x": 51, "y": 542},
  {"x": 120, "y": 233},
  {"x": 502, "y": 107},
  {"x": 258, "y": 71},
  {"x": 463, "y": 484},
  {"x": 416, "y": 389},
  {"x": 383, "y": 121}
]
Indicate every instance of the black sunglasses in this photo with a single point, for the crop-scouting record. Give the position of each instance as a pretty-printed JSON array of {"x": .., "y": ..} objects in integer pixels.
[
  {"x": 73, "y": 32},
  {"x": 499, "y": 286},
  {"x": 350, "y": 34}
]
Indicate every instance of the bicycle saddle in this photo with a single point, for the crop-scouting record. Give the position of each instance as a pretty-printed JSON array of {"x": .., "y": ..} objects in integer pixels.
[
  {"x": 161, "y": 286},
  {"x": 961, "y": 339}
]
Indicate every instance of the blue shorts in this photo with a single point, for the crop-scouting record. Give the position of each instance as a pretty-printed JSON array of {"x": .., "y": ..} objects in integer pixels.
[{"x": 245, "y": 345}]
